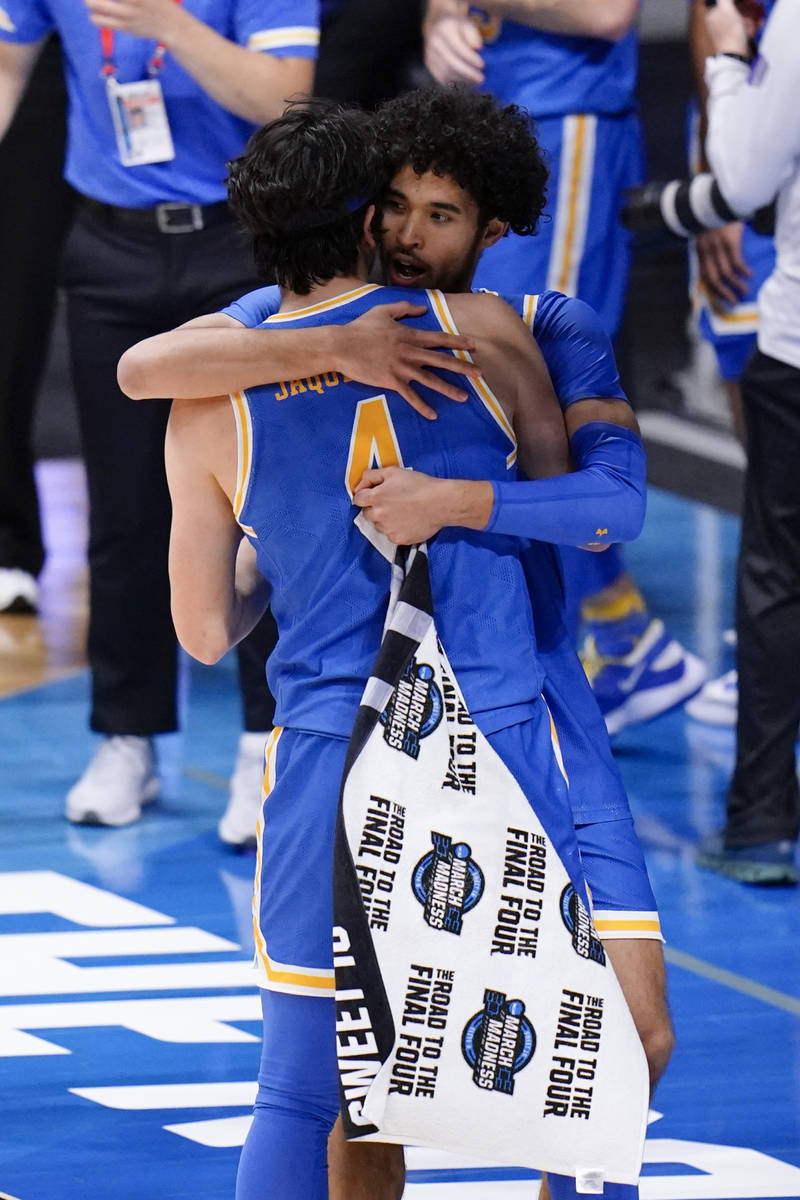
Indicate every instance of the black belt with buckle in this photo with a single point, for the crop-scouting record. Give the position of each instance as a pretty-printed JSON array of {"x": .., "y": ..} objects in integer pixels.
[{"x": 170, "y": 217}]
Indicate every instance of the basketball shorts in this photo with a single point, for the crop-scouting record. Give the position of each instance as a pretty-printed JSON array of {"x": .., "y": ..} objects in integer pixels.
[
  {"x": 293, "y": 899},
  {"x": 580, "y": 247},
  {"x": 732, "y": 328}
]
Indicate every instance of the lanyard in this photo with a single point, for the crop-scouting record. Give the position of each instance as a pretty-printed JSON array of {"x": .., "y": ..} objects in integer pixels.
[{"x": 154, "y": 63}]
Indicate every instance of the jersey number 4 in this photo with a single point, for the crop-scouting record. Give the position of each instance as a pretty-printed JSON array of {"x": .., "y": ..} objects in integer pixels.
[{"x": 373, "y": 442}]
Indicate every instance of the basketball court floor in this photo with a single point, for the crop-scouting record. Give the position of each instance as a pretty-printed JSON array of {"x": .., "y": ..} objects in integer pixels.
[{"x": 129, "y": 1023}]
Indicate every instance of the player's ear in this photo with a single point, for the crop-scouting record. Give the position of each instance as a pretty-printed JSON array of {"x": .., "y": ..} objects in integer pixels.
[
  {"x": 369, "y": 236},
  {"x": 493, "y": 231}
]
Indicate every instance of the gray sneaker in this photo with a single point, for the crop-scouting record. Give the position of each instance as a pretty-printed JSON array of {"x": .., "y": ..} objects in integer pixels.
[
  {"x": 119, "y": 780},
  {"x": 770, "y": 863}
]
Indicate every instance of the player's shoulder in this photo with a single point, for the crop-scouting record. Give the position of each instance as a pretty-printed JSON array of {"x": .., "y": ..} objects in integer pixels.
[
  {"x": 557, "y": 315},
  {"x": 484, "y": 312}
]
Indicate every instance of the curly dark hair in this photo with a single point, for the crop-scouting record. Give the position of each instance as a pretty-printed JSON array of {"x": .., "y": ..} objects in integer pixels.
[
  {"x": 491, "y": 152},
  {"x": 301, "y": 189}
]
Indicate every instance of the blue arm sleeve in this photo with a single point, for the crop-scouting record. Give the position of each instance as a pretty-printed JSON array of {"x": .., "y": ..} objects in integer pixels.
[
  {"x": 602, "y": 501},
  {"x": 253, "y": 308}
]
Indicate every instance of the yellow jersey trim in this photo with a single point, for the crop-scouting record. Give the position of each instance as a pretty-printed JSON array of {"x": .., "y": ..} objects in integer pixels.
[
  {"x": 244, "y": 453},
  {"x": 529, "y": 307},
  {"x": 323, "y": 305},
  {"x": 481, "y": 387}
]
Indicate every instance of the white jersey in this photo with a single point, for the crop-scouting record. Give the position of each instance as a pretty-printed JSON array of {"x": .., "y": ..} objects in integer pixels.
[{"x": 753, "y": 146}]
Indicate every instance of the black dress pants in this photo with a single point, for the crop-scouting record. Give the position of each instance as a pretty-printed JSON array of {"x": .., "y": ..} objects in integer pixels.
[
  {"x": 124, "y": 285},
  {"x": 35, "y": 211},
  {"x": 763, "y": 797}
]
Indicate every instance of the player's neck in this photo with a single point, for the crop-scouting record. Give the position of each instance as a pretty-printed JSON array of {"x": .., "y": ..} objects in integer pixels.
[{"x": 339, "y": 286}]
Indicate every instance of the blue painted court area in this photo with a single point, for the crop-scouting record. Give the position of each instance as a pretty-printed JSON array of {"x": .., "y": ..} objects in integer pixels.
[{"x": 128, "y": 1020}]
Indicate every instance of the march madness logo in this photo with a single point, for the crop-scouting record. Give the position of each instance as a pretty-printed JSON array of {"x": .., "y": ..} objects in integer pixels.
[
  {"x": 447, "y": 883},
  {"x": 498, "y": 1042},
  {"x": 414, "y": 709},
  {"x": 584, "y": 939}
]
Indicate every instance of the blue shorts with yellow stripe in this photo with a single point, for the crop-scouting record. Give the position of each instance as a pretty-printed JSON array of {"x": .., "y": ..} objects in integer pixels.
[
  {"x": 732, "y": 328},
  {"x": 293, "y": 901},
  {"x": 580, "y": 247}
]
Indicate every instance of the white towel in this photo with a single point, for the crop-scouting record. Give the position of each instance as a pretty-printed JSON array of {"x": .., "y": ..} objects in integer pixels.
[{"x": 476, "y": 1011}]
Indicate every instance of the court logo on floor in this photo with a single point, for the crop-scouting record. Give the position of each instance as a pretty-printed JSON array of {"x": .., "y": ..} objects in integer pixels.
[
  {"x": 584, "y": 939},
  {"x": 447, "y": 882},
  {"x": 498, "y": 1042},
  {"x": 414, "y": 710}
]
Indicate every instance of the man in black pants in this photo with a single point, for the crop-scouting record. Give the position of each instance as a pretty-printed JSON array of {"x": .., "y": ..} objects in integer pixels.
[
  {"x": 753, "y": 146},
  {"x": 159, "y": 100},
  {"x": 33, "y": 222}
]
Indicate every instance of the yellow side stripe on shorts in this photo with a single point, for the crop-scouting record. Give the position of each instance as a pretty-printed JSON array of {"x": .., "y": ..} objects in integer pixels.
[
  {"x": 575, "y": 184},
  {"x": 556, "y": 744},
  {"x": 314, "y": 978},
  {"x": 480, "y": 385}
]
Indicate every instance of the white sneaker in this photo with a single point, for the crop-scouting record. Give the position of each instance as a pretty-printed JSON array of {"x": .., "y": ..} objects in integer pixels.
[
  {"x": 18, "y": 591},
  {"x": 118, "y": 781},
  {"x": 238, "y": 824},
  {"x": 717, "y": 702}
]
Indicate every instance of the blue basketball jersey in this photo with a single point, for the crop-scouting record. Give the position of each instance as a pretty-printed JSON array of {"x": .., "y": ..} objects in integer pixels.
[
  {"x": 303, "y": 447},
  {"x": 553, "y": 74}
]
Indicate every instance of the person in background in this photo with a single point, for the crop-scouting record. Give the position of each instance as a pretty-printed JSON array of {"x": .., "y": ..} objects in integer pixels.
[
  {"x": 728, "y": 268},
  {"x": 572, "y": 64},
  {"x": 753, "y": 147},
  {"x": 153, "y": 241},
  {"x": 33, "y": 224}
]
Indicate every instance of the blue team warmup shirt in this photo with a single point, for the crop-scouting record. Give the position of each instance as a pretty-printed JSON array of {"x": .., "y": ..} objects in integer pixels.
[{"x": 204, "y": 134}]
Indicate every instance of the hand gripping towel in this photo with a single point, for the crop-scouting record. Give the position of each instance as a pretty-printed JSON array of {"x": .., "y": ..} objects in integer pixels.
[{"x": 476, "y": 1011}]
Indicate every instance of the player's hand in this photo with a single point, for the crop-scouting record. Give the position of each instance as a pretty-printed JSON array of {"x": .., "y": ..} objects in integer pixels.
[
  {"x": 410, "y": 507},
  {"x": 722, "y": 268},
  {"x": 404, "y": 505},
  {"x": 727, "y": 28},
  {"x": 380, "y": 350},
  {"x": 453, "y": 47},
  {"x": 141, "y": 18}
]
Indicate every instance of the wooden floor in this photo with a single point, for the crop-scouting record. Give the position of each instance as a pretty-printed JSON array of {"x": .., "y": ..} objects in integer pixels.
[
  {"x": 38, "y": 650},
  {"x": 129, "y": 1023}
]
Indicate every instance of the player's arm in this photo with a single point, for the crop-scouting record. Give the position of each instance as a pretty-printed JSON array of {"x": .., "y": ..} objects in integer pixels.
[
  {"x": 409, "y": 506},
  {"x": 719, "y": 251},
  {"x": 601, "y": 502},
  {"x": 215, "y": 353},
  {"x": 249, "y": 83},
  {"x": 17, "y": 60},
  {"x": 218, "y": 594},
  {"x": 607, "y": 19},
  {"x": 753, "y": 118}
]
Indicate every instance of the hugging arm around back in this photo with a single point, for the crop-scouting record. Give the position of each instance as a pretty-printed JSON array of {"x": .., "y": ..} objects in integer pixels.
[
  {"x": 215, "y": 353},
  {"x": 603, "y": 500}
]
